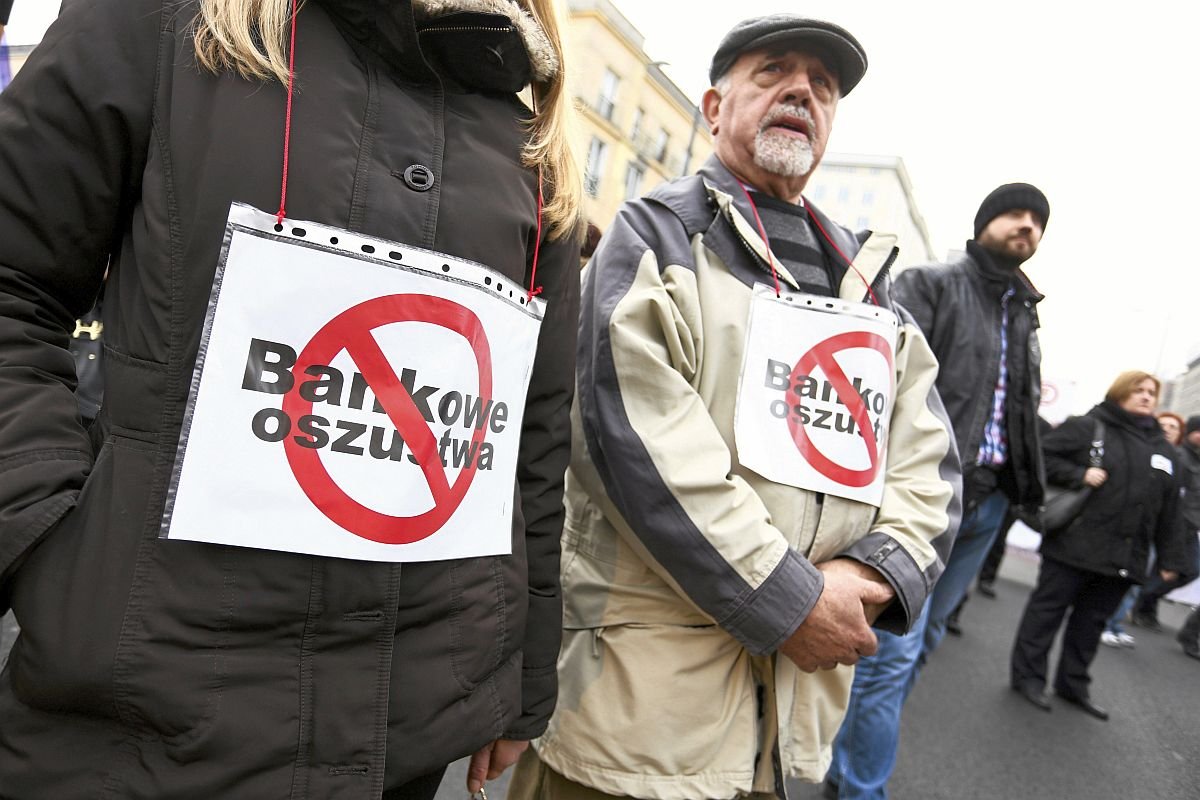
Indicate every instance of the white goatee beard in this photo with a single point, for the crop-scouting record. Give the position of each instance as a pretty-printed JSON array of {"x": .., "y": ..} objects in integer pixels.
[{"x": 781, "y": 153}]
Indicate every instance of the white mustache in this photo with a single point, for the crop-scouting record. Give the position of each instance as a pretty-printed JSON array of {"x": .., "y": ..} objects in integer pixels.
[{"x": 779, "y": 112}]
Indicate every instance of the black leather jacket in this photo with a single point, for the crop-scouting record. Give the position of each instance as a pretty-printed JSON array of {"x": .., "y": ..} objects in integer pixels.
[{"x": 958, "y": 309}]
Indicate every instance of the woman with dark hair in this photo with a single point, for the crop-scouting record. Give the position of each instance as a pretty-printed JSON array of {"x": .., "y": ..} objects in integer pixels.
[
  {"x": 230, "y": 585},
  {"x": 1088, "y": 566}
]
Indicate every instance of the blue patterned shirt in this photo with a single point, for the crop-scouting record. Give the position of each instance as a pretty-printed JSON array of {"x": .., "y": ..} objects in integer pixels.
[{"x": 993, "y": 450}]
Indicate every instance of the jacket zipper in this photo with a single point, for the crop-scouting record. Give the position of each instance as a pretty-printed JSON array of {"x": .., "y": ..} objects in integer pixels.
[{"x": 463, "y": 29}]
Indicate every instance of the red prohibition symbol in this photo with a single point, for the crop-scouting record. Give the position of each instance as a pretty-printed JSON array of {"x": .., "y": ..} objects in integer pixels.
[
  {"x": 351, "y": 331},
  {"x": 822, "y": 356}
]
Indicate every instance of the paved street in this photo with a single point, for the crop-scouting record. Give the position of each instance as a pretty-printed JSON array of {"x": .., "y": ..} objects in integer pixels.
[{"x": 966, "y": 736}]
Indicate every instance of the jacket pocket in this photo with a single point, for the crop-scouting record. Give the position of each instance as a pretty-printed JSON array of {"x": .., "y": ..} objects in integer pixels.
[
  {"x": 69, "y": 595},
  {"x": 479, "y": 624}
]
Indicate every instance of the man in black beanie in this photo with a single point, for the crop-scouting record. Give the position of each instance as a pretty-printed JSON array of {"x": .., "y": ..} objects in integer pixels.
[{"x": 979, "y": 314}]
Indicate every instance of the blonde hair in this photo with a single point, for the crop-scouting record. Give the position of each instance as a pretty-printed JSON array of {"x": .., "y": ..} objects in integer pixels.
[
  {"x": 250, "y": 37},
  {"x": 1128, "y": 382}
]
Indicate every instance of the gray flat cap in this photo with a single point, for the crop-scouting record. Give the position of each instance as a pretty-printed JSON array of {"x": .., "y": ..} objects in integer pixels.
[{"x": 849, "y": 58}]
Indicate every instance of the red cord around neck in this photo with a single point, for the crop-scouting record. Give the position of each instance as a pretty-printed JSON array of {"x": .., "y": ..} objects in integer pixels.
[
  {"x": 763, "y": 233},
  {"x": 287, "y": 123}
]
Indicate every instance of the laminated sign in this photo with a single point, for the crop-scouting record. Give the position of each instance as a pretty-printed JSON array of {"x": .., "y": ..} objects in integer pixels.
[
  {"x": 353, "y": 397},
  {"x": 816, "y": 393}
]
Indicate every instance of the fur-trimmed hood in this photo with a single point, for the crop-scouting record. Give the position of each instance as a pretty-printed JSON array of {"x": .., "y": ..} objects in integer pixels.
[{"x": 542, "y": 59}]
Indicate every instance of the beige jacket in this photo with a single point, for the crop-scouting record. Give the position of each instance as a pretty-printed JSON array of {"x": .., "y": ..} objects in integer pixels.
[{"x": 682, "y": 571}]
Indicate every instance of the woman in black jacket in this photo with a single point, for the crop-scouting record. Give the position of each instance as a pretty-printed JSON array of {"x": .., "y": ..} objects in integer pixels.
[
  {"x": 217, "y": 663},
  {"x": 1087, "y": 568}
]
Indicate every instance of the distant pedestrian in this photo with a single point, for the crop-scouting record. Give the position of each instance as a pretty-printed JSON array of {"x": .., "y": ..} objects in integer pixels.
[
  {"x": 1087, "y": 567},
  {"x": 1189, "y": 635},
  {"x": 5, "y": 11},
  {"x": 1172, "y": 426},
  {"x": 1140, "y": 603},
  {"x": 979, "y": 314}
]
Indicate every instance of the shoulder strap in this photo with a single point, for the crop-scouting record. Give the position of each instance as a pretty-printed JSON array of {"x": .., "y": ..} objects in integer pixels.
[{"x": 1096, "y": 454}]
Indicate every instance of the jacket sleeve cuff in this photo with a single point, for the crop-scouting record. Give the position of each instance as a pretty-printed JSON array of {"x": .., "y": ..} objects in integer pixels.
[
  {"x": 777, "y": 608},
  {"x": 906, "y": 577},
  {"x": 539, "y": 689}
]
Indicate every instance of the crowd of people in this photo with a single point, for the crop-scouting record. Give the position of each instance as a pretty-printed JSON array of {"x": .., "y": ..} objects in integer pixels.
[{"x": 746, "y": 464}]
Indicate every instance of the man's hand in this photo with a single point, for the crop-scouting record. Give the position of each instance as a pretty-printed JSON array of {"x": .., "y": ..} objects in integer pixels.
[
  {"x": 1095, "y": 477},
  {"x": 490, "y": 761},
  {"x": 838, "y": 629},
  {"x": 1168, "y": 575}
]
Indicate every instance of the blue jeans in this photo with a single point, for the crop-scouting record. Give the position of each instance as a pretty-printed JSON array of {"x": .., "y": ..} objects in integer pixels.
[
  {"x": 1114, "y": 622},
  {"x": 864, "y": 752},
  {"x": 971, "y": 546}
]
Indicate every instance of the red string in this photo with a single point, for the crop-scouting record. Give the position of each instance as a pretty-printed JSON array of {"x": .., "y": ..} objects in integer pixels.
[
  {"x": 763, "y": 232},
  {"x": 537, "y": 245},
  {"x": 287, "y": 124},
  {"x": 849, "y": 263}
]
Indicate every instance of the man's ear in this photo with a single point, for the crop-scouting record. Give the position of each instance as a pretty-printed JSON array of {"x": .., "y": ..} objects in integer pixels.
[{"x": 710, "y": 106}]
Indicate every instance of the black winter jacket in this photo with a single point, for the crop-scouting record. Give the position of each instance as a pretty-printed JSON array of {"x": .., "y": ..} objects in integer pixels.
[
  {"x": 958, "y": 310},
  {"x": 1190, "y": 460},
  {"x": 151, "y": 668},
  {"x": 1138, "y": 505}
]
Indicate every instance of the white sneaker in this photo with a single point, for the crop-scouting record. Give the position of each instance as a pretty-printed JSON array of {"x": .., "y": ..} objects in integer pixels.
[
  {"x": 1111, "y": 639},
  {"x": 1126, "y": 640}
]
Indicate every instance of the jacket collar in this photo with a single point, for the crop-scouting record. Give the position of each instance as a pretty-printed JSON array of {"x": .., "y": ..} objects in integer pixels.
[
  {"x": 391, "y": 30},
  {"x": 983, "y": 263},
  {"x": 870, "y": 256}
]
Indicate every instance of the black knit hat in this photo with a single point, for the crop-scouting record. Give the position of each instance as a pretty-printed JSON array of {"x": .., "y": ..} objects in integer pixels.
[
  {"x": 849, "y": 60},
  {"x": 1193, "y": 424},
  {"x": 1008, "y": 197}
]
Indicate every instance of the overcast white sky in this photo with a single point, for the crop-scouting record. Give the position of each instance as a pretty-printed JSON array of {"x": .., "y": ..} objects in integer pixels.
[{"x": 1092, "y": 102}]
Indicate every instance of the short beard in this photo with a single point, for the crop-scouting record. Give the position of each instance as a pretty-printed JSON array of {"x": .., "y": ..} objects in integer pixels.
[
  {"x": 1003, "y": 250},
  {"x": 780, "y": 153}
]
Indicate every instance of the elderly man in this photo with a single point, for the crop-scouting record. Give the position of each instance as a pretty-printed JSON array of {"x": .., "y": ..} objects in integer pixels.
[{"x": 761, "y": 466}]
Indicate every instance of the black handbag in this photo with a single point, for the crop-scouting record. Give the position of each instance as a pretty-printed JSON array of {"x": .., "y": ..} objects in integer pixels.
[{"x": 1063, "y": 505}]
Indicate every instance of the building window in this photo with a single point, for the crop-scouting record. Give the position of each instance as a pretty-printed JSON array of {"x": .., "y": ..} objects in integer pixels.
[
  {"x": 863, "y": 223},
  {"x": 597, "y": 153},
  {"x": 868, "y": 198},
  {"x": 844, "y": 194},
  {"x": 633, "y": 180},
  {"x": 819, "y": 192},
  {"x": 608, "y": 94},
  {"x": 636, "y": 129},
  {"x": 660, "y": 145}
]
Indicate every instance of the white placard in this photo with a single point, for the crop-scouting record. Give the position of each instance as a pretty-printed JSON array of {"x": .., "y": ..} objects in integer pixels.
[
  {"x": 816, "y": 393},
  {"x": 354, "y": 398}
]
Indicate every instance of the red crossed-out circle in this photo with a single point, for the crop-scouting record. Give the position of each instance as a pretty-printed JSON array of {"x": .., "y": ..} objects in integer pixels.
[
  {"x": 351, "y": 331},
  {"x": 1049, "y": 393},
  {"x": 822, "y": 355}
]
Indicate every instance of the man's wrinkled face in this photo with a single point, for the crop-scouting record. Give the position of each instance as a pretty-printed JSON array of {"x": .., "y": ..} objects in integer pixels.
[
  {"x": 1014, "y": 234},
  {"x": 772, "y": 114}
]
